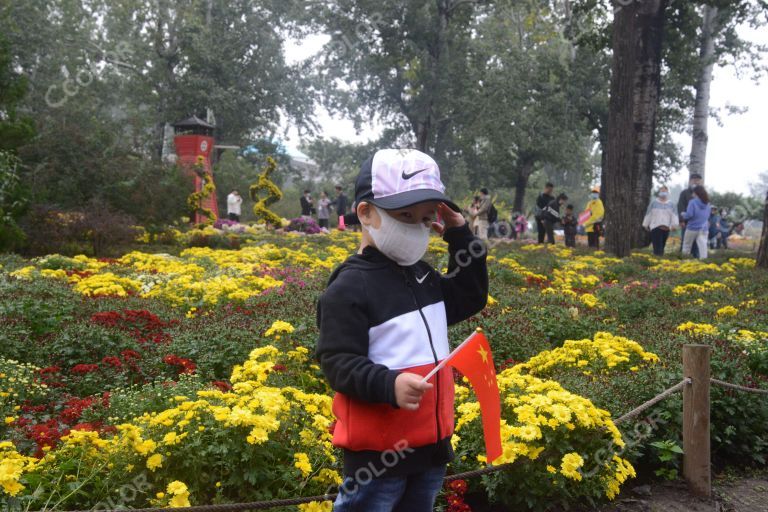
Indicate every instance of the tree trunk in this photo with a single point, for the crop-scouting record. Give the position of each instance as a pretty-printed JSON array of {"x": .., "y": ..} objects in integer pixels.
[
  {"x": 762, "y": 251},
  {"x": 635, "y": 87},
  {"x": 521, "y": 184},
  {"x": 438, "y": 54},
  {"x": 603, "y": 137},
  {"x": 422, "y": 134},
  {"x": 648, "y": 93},
  {"x": 701, "y": 106}
]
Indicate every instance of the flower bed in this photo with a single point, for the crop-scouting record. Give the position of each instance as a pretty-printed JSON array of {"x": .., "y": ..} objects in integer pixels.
[{"x": 161, "y": 380}]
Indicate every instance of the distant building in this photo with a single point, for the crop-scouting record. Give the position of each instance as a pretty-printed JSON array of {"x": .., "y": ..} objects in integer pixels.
[{"x": 301, "y": 162}]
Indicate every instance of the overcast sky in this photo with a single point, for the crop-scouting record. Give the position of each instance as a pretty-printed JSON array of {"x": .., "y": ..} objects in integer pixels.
[{"x": 737, "y": 151}]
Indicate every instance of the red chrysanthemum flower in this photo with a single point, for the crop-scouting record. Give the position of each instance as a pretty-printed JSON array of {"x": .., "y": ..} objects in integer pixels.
[{"x": 83, "y": 369}]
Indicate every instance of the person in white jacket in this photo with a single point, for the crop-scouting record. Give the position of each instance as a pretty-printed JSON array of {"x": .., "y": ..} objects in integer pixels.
[
  {"x": 660, "y": 218},
  {"x": 234, "y": 201}
]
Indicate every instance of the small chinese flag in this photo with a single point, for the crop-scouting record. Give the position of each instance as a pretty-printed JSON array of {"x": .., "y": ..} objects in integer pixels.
[{"x": 474, "y": 360}]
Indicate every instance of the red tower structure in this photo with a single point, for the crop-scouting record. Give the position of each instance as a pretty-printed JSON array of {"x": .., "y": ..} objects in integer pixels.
[{"x": 194, "y": 139}]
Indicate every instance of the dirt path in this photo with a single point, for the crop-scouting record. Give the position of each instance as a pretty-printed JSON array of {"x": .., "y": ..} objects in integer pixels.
[{"x": 729, "y": 495}]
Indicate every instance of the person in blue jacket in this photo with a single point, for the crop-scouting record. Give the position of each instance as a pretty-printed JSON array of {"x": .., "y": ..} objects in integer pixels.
[{"x": 696, "y": 217}]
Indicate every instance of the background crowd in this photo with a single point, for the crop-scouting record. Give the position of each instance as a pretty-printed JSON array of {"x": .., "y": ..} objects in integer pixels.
[{"x": 702, "y": 225}]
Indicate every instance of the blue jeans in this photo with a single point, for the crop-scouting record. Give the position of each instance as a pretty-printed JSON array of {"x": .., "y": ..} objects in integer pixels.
[{"x": 412, "y": 493}]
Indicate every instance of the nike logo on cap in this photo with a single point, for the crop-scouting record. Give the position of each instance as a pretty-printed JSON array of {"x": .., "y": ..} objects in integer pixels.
[{"x": 409, "y": 175}]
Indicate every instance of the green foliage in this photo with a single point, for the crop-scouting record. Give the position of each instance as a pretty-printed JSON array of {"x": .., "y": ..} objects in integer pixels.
[
  {"x": 15, "y": 129},
  {"x": 41, "y": 307},
  {"x": 202, "y": 238},
  {"x": 338, "y": 161},
  {"x": 210, "y": 343},
  {"x": 101, "y": 101},
  {"x": 642, "y": 307},
  {"x": 127, "y": 403},
  {"x": 96, "y": 229},
  {"x": 233, "y": 172},
  {"x": 740, "y": 207},
  {"x": 556, "y": 323},
  {"x": 289, "y": 206},
  {"x": 738, "y": 419},
  {"x": 668, "y": 453},
  {"x": 12, "y": 202},
  {"x": 86, "y": 343},
  {"x": 153, "y": 194},
  {"x": 758, "y": 360}
]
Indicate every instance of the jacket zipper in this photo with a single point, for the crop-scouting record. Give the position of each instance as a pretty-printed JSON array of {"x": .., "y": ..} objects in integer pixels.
[{"x": 434, "y": 354}]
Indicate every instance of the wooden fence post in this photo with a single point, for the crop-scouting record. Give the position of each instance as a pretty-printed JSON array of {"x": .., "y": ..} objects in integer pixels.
[{"x": 696, "y": 457}]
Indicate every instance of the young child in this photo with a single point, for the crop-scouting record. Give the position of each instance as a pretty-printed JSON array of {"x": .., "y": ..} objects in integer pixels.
[
  {"x": 383, "y": 325},
  {"x": 519, "y": 225},
  {"x": 570, "y": 224}
]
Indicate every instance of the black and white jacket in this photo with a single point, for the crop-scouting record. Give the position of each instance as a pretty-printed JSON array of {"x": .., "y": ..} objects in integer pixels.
[{"x": 377, "y": 319}]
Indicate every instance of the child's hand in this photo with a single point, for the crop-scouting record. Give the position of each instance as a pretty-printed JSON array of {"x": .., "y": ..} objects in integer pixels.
[
  {"x": 451, "y": 219},
  {"x": 409, "y": 389}
]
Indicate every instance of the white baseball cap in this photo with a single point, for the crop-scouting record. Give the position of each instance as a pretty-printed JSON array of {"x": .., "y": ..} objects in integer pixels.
[{"x": 398, "y": 178}]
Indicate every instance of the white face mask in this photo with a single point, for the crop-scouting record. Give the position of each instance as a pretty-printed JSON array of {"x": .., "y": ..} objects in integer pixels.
[{"x": 404, "y": 243}]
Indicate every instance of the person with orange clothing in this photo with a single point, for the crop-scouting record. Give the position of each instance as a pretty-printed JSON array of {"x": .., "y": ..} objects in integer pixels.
[{"x": 593, "y": 224}]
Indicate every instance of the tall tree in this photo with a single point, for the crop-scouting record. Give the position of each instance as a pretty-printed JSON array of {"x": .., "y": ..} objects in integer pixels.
[
  {"x": 106, "y": 75},
  {"x": 398, "y": 62},
  {"x": 338, "y": 161},
  {"x": 519, "y": 116},
  {"x": 715, "y": 25},
  {"x": 191, "y": 55},
  {"x": 588, "y": 30},
  {"x": 15, "y": 129},
  {"x": 699, "y": 137},
  {"x": 635, "y": 87},
  {"x": 759, "y": 187}
]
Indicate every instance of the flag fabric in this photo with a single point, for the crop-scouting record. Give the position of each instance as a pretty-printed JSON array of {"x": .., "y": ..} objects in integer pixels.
[
  {"x": 474, "y": 360},
  {"x": 584, "y": 216}
]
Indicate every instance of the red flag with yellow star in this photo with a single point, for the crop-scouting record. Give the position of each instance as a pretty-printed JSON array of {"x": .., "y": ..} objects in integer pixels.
[{"x": 474, "y": 360}]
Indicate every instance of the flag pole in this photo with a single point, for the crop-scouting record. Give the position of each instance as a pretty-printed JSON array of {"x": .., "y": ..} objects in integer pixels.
[{"x": 450, "y": 356}]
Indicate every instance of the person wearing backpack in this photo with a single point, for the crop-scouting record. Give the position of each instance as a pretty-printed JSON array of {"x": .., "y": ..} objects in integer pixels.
[
  {"x": 551, "y": 216},
  {"x": 570, "y": 226},
  {"x": 480, "y": 215},
  {"x": 493, "y": 216},
  {"x": 542, "y": 202}
]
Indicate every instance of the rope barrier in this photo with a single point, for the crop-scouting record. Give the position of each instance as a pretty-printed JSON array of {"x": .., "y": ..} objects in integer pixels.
[
  {"x": 653, "y": 401},
  {"x": 230, "y": 507},
  {"x": 739, "y": 388},
  {"x": 262, "y": 505},
  {"x": 477, "y": 472}
]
